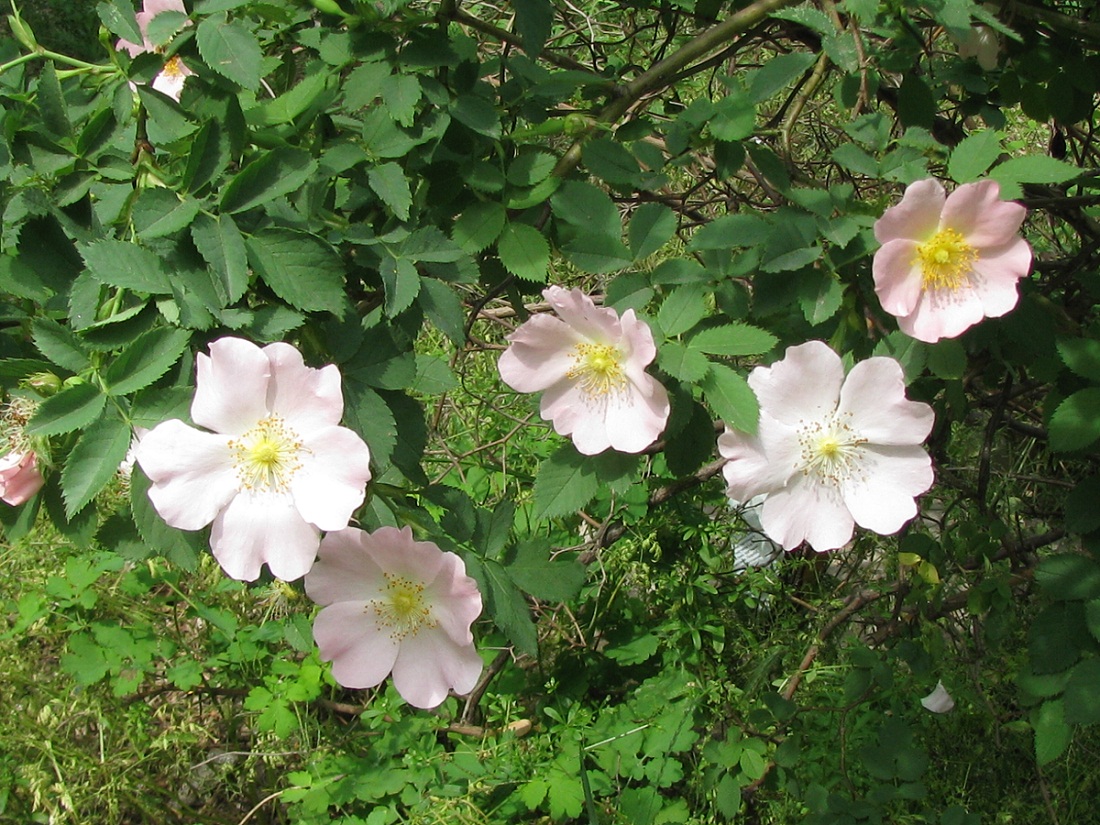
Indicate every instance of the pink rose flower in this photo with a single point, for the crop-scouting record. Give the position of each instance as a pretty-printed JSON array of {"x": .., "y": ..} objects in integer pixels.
[
  {"x": 830, "y": 452},
  {"x": 589, "y": 365},
  {"x": 20, "y": 477},
  {"x": 276, "y": 468},
  {"x": 169, "y": 80},
  {"x": 946, "y": 262},
  {"x": 391, "y": 604}
]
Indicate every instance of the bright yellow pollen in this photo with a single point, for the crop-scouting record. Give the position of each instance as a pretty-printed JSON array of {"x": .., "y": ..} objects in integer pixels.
[
  {"x": 173, "y": 67},
  {"x": 402, "y": 611},
  {"x": 597, "y": 369},
  {"x": 831, "y": 450},
  {"x": 267, "y": 456},
  {"x": 946, "y": 260}
]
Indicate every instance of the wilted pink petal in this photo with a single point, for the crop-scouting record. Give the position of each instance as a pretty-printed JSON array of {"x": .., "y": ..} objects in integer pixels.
[
  {"x": 947, "y": 262},
  {"x": 390, "y": 603},
  {"x": 982, "y": 44},
  {"x": 276, "y": 470},
  {"x": 590, "y": 365},
  {"x": 939, "y": 700},
  {"x": 20, "y": 477},
  {"x": 848, "y": 453}
]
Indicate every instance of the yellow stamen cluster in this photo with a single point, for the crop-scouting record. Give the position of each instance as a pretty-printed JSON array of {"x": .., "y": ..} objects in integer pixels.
[
  {"x": 597, "y": 369},
  {"x": 267, "y": 456},
  {"x": 402, "y": 611},
  {"x": 173, "y": 67},
  {"x": 830, "y": 450},
  {"x": 945, "y": 259}
]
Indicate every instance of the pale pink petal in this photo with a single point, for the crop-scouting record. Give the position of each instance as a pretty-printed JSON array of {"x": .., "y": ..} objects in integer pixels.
[
  {"x": 881, "y": 498},
  {"x": 170, "y": 83},
  {"x": 873, "y": 398},
  {"x": 263, "y": 527},
  {"x": 976, "y": 212},
  {"x": 332, "y": 481},
  {"x": 747, "y": 471},
  {"x": 637, "y": 339},
  {"x": 154, "y": 7},
  {"x": 231, "y": 386},
  {"x": 396, "y": 552},
  {"x": 916, "y": 217},
  {"x": 996, "y": 274},
  {"x": 133, "y": 49},
  {"x": 455, "y": 600},
  {"x": 806, "y": 511},
  {"x": 943, "y": 313},
  {"x": 344, "y": 571},
  {"x": 347, "y": 635},
  {"x": 20, "y": 477},
  {"x": 635, "y": 419},
  {"x": 574, "y": 414},
  {"x": 804, "y": 385},
  {"x": 540, "y": 354},
  {"x": 578, "y": 311},
  {"x": 192, "y": 473},
  {"x": 898, "y": 277},
  {"x": 304, "y": 397},
  {"x": 430, "y": 664}
]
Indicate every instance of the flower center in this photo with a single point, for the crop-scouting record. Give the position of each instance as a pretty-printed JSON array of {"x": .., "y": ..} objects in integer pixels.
[
  {"x": 173, "y": 67},
  {"x": 597, "y": 369},
  {"x": 831, "y": 450},
  {"x": 266, "y": 457},
  {"x": 402, "y": 611},
  {"x": 945, "y": 259}
]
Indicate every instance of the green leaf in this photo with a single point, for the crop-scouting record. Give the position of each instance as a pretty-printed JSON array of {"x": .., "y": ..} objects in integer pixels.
[
  {"x": 146, "y": 359},
  {"x": 916, "y": 102},
  {"x": 1031, "y": 169},
  {"x": 370, "y": 416},
  {"x": 586, "y": 207},
  {"x": 389, "y": 183},
  {"x": 504, "y": 603},
  {"x": 59, "y": 344},
  {"x": 610, "y": 160},
  {"x": 530, "y": 168},
  {"x": 1082, "y": 356},
  {"x": 973, "y": 156},
  {"x": 443, "y": 308},
  {"x": 125, "y": 265},
  {"x": 1052, "y": 734},
  {"x": 1082, "y": 694},
  {"x": 208, "y": 157},
  {"x": 728, "y": 232},
  {"x": 855, "y": 159},
  {"x": 1076, "y": 423},
  {"x": 777, "y": 73},
  {"x": 51, "y": 103},
  {"x": 160, "y": 212},
  {"x": 685, "y": 364},
  {"x": 534, "y": 19},
  {"x": 94, "y": 461},
  {"x": 118, "y": 17},
  {"x": 524, "y": 251},
  {"x": 1082, "y": 512},
  {"x": 400, "y": 94},
  {"x": 230, "y": 49},
  {"x": 402, "y": 282},
  {"x": 222, "y": 246},
  {"x": 166, "y": 121},
  {"x": 731, "y": 398},
  {"x": 301, "y": 269},
  {"x": 808, "y": 16},
  {"x": 1069, "y": 577},
  {"x": 734, "y": 117},
  {"x": 597, "y": 254},
  {"x": 479, "y": 225},
  {"x": 71, "y": 409},
  {"x": 651, "y": 226},
  {"x": 683, "y": 308},
  {"x": 551, "y": 578},
  {"x": 565, "y": 482},
  {"x": 478, "y": 114},
  {"x": 947, "y": 359},
  {"x": 179, "y": 547},
  {"x": 276, "y": 173},
  {"x": 733, "y": 339}
]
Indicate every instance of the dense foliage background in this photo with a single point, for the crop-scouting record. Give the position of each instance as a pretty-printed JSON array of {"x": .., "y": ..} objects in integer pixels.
[{"x": 389, "y": 186}]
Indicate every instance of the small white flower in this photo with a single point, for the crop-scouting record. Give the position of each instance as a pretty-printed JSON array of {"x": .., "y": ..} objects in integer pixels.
[{"x": 939, "y": 700}]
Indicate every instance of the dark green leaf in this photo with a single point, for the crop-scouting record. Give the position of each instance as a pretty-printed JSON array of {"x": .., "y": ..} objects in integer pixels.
[
  {"x": 222, "y": 246},
  {"x": 733, "y": 339},
  {"x": 118, "y": 17},
  {"x": 94, "y": 461},
  {"x": 1076, "y": 422},
  {"x": 556, "y": 579},
  {"x": 278, "y": 172},
  {"x": 1082, "y": 355},
  {"x": 301, "y": 269},
  {"x": 586, "y": 207},
  {"x": 159, "y": 212},
  {"x": 1083, "y": 506},
  {"x": 402, "y": 282},
  {"x": 597, "y": 254},
  {"x": 389, "y": 183},
  {"x": 685, "y": 364},
  {"x": 209, "y": 156},
  {"x": 126, "y": 265},
  {"x": 71, "y": 409},
  {"x": 651, "y": 226},
  {"x": 479, "y": 225},
  {"x": 731, "y": 398},
  {"x": 533, "y": 21},
  {"x": 145, "y": 360},
  {"x": 524, "y": 251},
  {"x": 973, "y": 156},
  {"x": 1069, "y": 577},
  {"x": 728, "y": 232},
  {"x": 230, "y": 49},
  {"x": 777, "y": 73},
  {"x": 478, "y": 114},
  {"x": 443, "y": 308},
  {"x": 682, "y": 309},
  {"x": 179, "y": 547},
  {"x": 610, "y": 160},
  {"x": 1082, "y": 695},
  {"x": 1052, "y": 734},
  {"x": 504, "y": 603},
  {"x": 51, "y": 103},
  {"x": 166, "y": 121},
  {"x": 565, "y": 483},
  {"x": 59, "y": 344}
]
